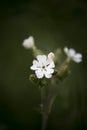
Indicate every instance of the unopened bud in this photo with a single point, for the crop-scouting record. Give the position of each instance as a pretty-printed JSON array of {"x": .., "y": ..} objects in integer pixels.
[
  {"x": 33, "y": 78},
  {"x": 28, "y": 43}
]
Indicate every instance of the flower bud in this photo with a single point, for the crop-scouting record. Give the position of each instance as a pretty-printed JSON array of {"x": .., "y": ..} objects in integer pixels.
[
  {"x": 51, "y": 55},
  {"x": 33, "y": 78},
  {"x": 28, "y": 43}
]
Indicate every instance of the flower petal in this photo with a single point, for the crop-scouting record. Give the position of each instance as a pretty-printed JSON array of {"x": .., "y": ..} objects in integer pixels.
[
  {"x": 47, "y": 75},
  {"x": 41, "y": 59},
  {"x": 78, "y": 55},
  {"x": 49, "y": 70},
  {"x": 78, "y": 58},
  {"x": 33, "y": 67},
  {"x": 36, "y": 63},
  {"x": 50, "y": 63},
  {"x": 28, "y": 43},
  {"x": 66, "y": 50},
  {"x": 71, "y": 53},
  {"x": 39, "y": 73}
]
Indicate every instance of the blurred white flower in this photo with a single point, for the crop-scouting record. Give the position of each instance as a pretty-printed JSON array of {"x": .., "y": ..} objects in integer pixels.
[
  {"x": 28, "y": 43},
  {"x": 71, "y": 53},
  {"x": 43, "y": 66}
]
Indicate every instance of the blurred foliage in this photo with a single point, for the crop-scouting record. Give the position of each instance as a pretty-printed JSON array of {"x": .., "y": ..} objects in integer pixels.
[{"x": 53, "y": 23}]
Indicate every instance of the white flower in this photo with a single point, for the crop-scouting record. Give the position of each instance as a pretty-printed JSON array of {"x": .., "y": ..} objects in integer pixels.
[
  {"x": 28, "y": 43},
  {"x": 71, "y": 53},
  {"x": 43, "y": 66}
]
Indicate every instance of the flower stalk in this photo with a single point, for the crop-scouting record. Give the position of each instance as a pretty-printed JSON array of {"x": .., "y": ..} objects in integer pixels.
[
  {"x": 47, "y": 105},
  {"x": 49, "y": 70}
]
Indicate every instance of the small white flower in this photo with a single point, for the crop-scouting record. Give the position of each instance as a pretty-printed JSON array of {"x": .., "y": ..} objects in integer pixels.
[
  {"x": 43, "y": 66},
  {"x": 71, "y": 53},
  {"x": 28, "y": 43}
]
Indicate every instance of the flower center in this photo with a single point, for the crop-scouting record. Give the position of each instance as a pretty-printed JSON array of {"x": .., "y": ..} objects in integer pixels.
[{"x": 43, "y": 67}]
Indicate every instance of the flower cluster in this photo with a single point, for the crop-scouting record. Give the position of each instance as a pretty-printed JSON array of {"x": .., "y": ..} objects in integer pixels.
[
  {"x": 49, "y": 71},
  {"x": 44, "y": 65}
]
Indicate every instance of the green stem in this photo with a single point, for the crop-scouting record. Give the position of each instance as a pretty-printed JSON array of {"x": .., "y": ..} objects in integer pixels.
[
  {"x": 44, "y": 121},
  {"x": 50, "y": 97},
  {"x": 46, "y": 106},
  {"x": 43, "y": 97}
]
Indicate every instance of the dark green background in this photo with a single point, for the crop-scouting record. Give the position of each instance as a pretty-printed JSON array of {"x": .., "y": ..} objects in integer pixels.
[{"x": 53, "y": 23}]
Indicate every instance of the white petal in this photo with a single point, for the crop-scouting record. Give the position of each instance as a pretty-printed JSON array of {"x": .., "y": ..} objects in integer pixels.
[
  {"x": 78, "y": 58},
  {"x": 49, "y": 70},
  {"x": 35, "y": 63},
  {"x": 41, "y": 59},
  {"x": 51, "y": 55},
  {"x": 71, "y": 53},
  {"x": 31, "y": 40},
  {"x": 28, "y": 43},
  {"x": 39, "y": 74},
  {"x": 51, "y": 63},
  {"x": 47, "y": 75},
  {"x": 78, "y": 55},
  {"x": 66, "y": 50},
  {"x": 33, "y": 67}
]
